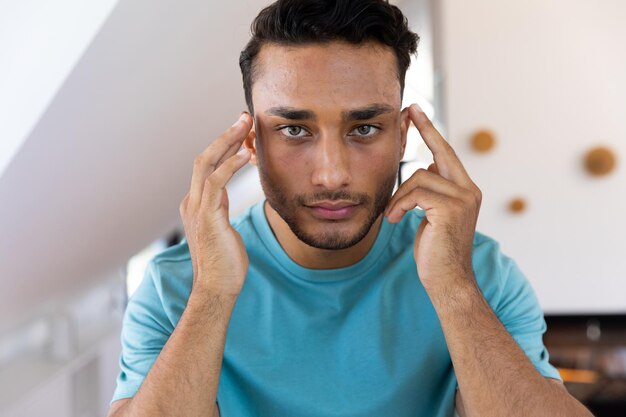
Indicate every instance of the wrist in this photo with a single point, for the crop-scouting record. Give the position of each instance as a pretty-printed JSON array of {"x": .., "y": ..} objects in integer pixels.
[
  {"x": 459, "y": 294},
  {"x": 215, "y": 286},
  {"x": 208, "y": 302}
]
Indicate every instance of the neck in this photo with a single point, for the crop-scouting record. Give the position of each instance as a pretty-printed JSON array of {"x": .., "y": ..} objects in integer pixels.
[{"x": 315, "y": 258}]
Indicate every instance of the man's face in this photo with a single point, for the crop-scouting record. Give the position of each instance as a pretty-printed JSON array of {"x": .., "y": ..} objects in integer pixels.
[{"x": 329, "y": 137}]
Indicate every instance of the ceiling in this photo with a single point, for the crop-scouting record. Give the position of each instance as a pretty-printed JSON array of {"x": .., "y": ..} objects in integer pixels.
[{"x": 103, "y": 170}]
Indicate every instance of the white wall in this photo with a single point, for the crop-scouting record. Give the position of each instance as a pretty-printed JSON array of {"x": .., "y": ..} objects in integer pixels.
[
  {"x": 102, "y": 173},
  {"x": 548, "y": 77},
  {"x": 40, "y": 43}
]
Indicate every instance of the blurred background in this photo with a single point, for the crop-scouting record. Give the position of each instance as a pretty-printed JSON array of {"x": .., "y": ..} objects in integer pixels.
[{"x": 104, "y": 105}]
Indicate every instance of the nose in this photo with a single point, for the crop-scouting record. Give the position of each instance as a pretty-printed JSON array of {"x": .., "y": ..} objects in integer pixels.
[{"x": 331, "y": 163}]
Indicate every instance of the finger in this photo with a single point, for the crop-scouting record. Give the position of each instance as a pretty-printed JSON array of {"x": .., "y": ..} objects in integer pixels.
[
  {"x": 210, "y": 158},
  {"x": 234, "y": 148},
  {"x": 433, "y": 168},
  {"x": 190, "y": 242},
  {"x": 182, "y": 208},
  {"x": 425, "y": 179},
  {"x": 215, "y": 184},
  {"x": 444, "y": 156},
  {"x": 423, "y": 197}
]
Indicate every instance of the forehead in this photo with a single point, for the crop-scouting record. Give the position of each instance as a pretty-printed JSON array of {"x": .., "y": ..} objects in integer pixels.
[{"x": 323, "y": 76}]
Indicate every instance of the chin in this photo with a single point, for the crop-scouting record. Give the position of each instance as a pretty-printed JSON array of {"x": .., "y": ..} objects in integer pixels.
[{"x": 332, "y": 235}]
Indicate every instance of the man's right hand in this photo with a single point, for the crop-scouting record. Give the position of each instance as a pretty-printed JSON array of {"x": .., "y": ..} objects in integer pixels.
[
  {"x": 186, "y": 374},
  {"x": 218, "y": 255}
]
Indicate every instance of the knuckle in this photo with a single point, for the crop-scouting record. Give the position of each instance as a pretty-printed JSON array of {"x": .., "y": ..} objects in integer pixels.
[
  {"x": 422, "y": 116},
  {"x": 468, "y": 196},
  {"x": 230, "y": 134},
  {"x": 183, "y": 204},
  {"x": 478, "y": 194},
  {"x": 213, "y": 181},
  {"x": 232, "y": 129},
  {"x": 199, "y": 161},
  {"x": 230, "y": 162},
  {"x": 230, "y": 165},
  {"x": 458, "y": 206},
  {"x": 474, "y": 194},
  {"x": 420, "y": 172}
]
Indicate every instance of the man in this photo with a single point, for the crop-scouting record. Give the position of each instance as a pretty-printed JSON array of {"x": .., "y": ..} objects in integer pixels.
[{"x": 333, "y": 297}]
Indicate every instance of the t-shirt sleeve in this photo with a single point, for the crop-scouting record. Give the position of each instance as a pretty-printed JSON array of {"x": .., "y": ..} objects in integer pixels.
[
  {"x": 519, "y": 311},
  {"x": 517, "y": 307},
  {"x": 145, "y": 330}
]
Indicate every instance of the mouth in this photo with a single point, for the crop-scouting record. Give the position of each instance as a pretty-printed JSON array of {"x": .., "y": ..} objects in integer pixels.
[{"x": 333, "y": 210}]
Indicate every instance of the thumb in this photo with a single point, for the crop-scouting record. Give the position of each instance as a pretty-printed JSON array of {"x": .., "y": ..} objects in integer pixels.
[
  {"x": 433, "y": 168},
  {"x": 418, "y": 237}
]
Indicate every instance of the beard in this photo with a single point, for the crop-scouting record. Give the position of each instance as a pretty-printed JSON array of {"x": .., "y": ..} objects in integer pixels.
[{"x": 287, "y": 209}]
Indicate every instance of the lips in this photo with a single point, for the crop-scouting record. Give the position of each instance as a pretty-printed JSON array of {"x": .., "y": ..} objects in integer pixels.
[
  {"x": 339, "y": 210},
  {"x": 333, "y": 205}
]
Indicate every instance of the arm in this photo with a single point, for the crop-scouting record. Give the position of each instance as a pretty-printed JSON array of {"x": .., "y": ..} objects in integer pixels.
[
  {"x": 118, "y": 406},
  {"x": 183, "y": 379},
  {"x": 460, "y": 408},
  {"x": 186, "y": 373},
  {"x": 495, "y": 376}
]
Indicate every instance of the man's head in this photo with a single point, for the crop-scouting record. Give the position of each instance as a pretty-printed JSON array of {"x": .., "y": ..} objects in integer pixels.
[
  {"x": 301, "y": 22},
  {"x": 324, "y": 82}
]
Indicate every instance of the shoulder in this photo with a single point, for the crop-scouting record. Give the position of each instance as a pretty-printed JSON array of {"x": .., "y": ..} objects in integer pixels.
[
  {"x": 482, "y": 241},
  {"x": 171, "y": 266},
  {"x": 500, "y": 278},
  {"x": 492, "y": 268},
  {"x": 178, "y": 256},
  {"x": 169, "y": 274}
]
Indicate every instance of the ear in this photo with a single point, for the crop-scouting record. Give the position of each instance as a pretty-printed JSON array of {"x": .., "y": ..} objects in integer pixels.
[
  {"x": 405, "y": 122},
  {"x": 250, "y": 144}
]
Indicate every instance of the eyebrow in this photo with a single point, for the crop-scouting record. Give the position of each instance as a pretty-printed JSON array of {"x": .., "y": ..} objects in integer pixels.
[
  {"x": 292, "y": 113},
  {"x": 368, "y": 112},
  {"x": 363, "y": 113}
]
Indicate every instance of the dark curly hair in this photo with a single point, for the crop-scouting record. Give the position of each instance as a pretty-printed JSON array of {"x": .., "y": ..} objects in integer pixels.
[{"x": 290, "y": 22}]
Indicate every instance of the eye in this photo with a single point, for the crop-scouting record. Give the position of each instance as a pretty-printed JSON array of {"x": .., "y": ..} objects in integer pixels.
[
  {"x": 293, "y": 131},
  {"x": 365, "y": 130}
]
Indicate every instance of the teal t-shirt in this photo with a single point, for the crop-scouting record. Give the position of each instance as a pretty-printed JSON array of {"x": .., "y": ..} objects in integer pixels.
[{"x": 358, "y": 341}]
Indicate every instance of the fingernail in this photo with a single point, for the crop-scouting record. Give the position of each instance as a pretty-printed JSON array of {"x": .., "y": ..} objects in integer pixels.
[
  {"x": 417, "y": 106},
  {"x": 243, "y": 152},
  {"x": 242, "y": 116}
]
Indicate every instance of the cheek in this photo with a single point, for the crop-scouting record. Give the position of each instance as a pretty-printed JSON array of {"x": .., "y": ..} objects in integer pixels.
[
  {"x": 282, "y": 165},
  {"x": 376, "y": 164},
  {"x": 289, "y": 165}
]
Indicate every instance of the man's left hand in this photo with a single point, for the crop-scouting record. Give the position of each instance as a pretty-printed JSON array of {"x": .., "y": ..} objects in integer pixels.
[{"x": 451, "y": 201}]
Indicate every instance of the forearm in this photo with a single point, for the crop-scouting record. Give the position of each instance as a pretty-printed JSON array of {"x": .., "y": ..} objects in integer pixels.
[
  {"x": 494, "y": 375},
  {"x": 185, "y": 376}
]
